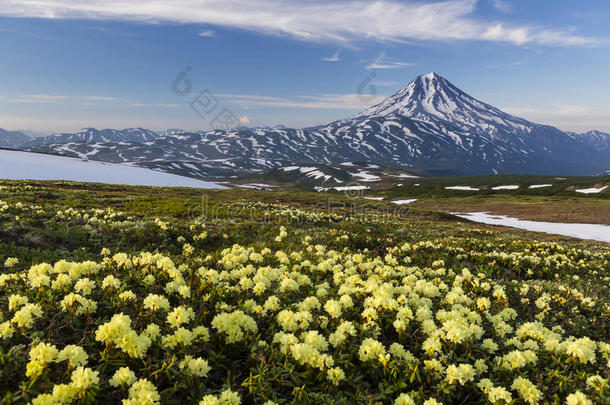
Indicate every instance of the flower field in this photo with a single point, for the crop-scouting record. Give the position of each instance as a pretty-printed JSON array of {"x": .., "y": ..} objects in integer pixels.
[{"x": 269, "y": 303}]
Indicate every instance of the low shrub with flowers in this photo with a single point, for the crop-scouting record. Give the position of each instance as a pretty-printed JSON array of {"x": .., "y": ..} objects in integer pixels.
[{"x": 307, "y": 313}]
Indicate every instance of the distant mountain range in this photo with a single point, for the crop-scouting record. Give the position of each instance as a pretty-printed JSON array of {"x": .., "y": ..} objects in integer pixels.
[
  {"x": 12, "y": 139},
  {"x": 430, "y": 127}
]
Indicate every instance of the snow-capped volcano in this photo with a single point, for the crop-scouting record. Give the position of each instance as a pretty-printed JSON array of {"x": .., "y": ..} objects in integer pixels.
[
  {"x": 431, "y": 96},
  {"x": 430, "y": 127}
]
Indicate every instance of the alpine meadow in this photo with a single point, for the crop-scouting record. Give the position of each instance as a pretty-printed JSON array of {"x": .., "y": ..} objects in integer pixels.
[{"x": 270, "y": 202}]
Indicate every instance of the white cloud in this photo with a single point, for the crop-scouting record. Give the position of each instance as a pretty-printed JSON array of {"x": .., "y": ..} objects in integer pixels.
[
  {"x": 553, "y": 109},
  {"x": 502, "y": 5},
  {"x": 334, "y": 58},
  {"x": 316, "y": 20},
  {"x": 207, "y": 33},
  {"x": 33, "y": 98},
  {"x": 384, "y": 63},
  {"x": 568, "y": 117},
  {"x": 90, "y": 100},
  {"x": 245, "y": 120}
]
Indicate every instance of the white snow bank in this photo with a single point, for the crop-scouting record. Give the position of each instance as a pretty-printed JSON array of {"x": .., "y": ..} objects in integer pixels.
[
  {"x": 591, "y": 190},
  {"x": 365, "y": 176},
  {"x": 374, "y": 198},
  {"x": 540, "y": 185},
  {"x": 511, "y": 187},
  {"x": 405, "y": 176},
  {"x": 347, "y": 188},
  {"x": 256, "y": 186},
  {"x": 465, "y": 188},
  {"x": 18, "y": 165},
  {"x": 580, "y": 231},
  {"x": 401, "y": 202}
]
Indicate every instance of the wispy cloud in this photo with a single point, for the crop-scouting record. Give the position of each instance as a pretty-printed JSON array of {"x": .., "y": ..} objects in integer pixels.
[
  {"x": 555, "y": 109},
  {"x": 33, "y": 98},
  {"x": 568, "y": 117},
  {"x": 334, "y": 58},
  {"x": 207, "y": 33},
  {"x": 315, "y": 20},
  {"x": 384, "y": 63},
  {"x": 100, "y": 101},
  {"x": 46, "y": 97},
  {"x": 502, "y": 5}
]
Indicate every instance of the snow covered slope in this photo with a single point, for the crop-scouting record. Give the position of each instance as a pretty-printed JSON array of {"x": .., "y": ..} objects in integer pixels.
[
  {"x": 33, "y": 166},
  {"x": 91, "y": 135}
]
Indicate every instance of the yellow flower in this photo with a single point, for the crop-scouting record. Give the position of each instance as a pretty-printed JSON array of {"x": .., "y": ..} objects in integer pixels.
[
  {"x": 333, "y": 308},
  {"x": 84, "y": 378},
  {"x": 335, "y": 375},
  {"x": 527, "y": 390},
  {"x": 34, "y": 368},
  {"x": 75, "y": 355},
  {"x": 404, "y": 399},
  {"x": 156, "y": 302},
  {"x": 143, "y": 392},
  {"x": 84, "y": 286},
  {"x": 227, "y": 397},
  {"x": 180, "y": 315},
  {"x": 43, "y": 352},
  {"x": 123, "y": 376},
  {"x": 371, "y": 349},
  {"x": 460, "y": 374},
  {"x": 578, "y": 398},
  {"x": 234, "y": 324},
  {"x": 15, "y": 301},
  {"x": 111, "y": 282},
  {"x": 127, "y": 295},
  {"x": 197, "y": 367}
]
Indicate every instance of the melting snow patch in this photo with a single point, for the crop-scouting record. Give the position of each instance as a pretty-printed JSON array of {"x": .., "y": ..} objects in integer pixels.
[
  {"x": 374, "y": 198},
  {"x": 256, "y": 186},
  {"x": 511, "y": 187},
  {"x": 580, "y": 231},
  {"x": 366, "y": 176},
  {"x": 290, "y": 168},
  {"x": 540, "y": 185},
  {"x": 401, "y": 202},
  {"x": 464, "y": 188},
  {"x": 591, "y": 190},
  {"x": 35, "y": 166},
  {"x": 405, "y": 176},
  {"x": 347, "y": 188}
]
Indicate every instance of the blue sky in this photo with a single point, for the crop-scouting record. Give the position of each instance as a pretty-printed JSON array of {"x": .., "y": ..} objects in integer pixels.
[{"x": 67, "y": 65}]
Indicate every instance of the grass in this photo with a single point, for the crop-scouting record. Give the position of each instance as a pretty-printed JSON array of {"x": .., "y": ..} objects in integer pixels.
[{"x": 395, "y": 274}]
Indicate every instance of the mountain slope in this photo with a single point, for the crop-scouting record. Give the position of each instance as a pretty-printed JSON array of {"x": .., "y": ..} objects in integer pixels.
[
  {"x": 12, "y": 139},
  {"x": 430, "y": 127},
  {"x": 91, "y": 135}
]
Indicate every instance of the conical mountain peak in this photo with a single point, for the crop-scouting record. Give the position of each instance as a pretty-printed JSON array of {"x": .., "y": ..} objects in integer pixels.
[{"x": 432, "y": 98}]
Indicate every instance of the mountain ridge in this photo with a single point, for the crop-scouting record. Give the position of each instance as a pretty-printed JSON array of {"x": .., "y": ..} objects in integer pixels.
[{"x": 430, "y": 127}]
